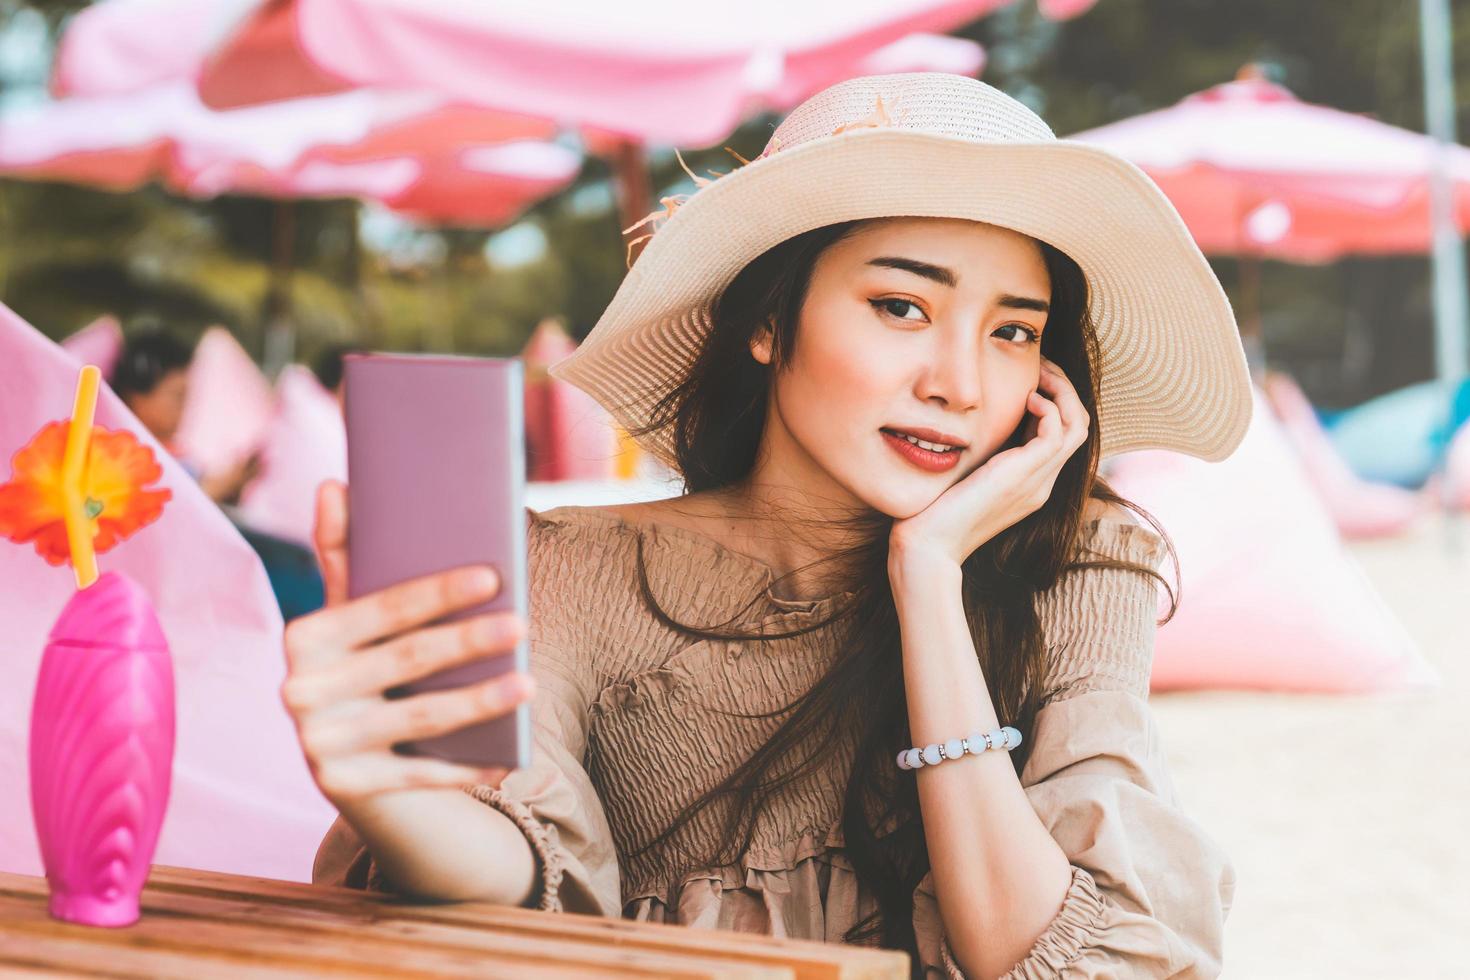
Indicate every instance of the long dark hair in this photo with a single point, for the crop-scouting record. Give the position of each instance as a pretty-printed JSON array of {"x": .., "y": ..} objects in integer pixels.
[{"x": 717, "y": 413}]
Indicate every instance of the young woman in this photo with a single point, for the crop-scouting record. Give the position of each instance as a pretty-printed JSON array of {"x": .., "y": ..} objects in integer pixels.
[{"x": 886, "y": 358}]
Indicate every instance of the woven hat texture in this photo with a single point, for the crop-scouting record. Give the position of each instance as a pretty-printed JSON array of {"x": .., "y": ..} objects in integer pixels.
[{"x": 1173, "y": 373}]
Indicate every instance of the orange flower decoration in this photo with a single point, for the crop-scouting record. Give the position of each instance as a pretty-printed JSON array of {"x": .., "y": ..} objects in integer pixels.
[{"x": 114, "y": 486}]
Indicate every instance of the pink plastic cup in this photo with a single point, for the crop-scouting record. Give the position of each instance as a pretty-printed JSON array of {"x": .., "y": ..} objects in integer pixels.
[{"x": 101, "y": 750}]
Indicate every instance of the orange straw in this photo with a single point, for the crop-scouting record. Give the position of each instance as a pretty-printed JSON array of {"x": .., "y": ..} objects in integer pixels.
[{"x": 79, "y": 529}]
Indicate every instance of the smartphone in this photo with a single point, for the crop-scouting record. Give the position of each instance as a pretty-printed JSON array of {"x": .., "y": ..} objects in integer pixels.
[{"x": 436, "y": 480}]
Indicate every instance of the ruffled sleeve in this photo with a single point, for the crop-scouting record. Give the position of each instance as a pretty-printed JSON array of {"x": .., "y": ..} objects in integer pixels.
[
  {"x": 1150, "y": 889},
  {"x": 552, "y": 801}
]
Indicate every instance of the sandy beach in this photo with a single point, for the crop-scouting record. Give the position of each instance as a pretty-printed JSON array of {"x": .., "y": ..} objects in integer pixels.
[{"x": 1347, "y": 817}]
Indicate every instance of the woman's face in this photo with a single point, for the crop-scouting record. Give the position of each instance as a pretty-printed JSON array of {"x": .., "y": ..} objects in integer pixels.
[
  {"x": 929, "y": 326},
  {"x": 162, "y": 410}
]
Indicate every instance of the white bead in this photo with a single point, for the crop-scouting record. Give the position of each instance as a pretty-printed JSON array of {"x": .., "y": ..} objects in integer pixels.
[
  {"x": 997, "y": 738},
  {"x": 1015, "y": 737},
  {"x": 915, "y": 758},
  {"x": 954, "y": 748},
  {"x": 931, "y": 755},
  {"x": 976, "y": 742},
  {"x": 903, "y": 759}
]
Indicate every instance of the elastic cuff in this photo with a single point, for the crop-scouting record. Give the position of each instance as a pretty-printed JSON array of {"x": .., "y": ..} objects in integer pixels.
[
  {"x": 1069, "y": 934},
  {"x": 548, "y": 855}
]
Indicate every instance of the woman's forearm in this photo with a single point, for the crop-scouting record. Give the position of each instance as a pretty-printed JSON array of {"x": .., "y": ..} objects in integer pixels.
[
  {"x": 999, "y": 876},
  {"x": 443, "y": 844}
]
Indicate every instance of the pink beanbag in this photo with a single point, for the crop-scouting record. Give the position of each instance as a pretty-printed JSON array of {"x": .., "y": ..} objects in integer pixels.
[
  {"x": 1360, "y": 508},
  {"x": 99, "y": 342},
  {"x": 1271, "y": 600},
  {"x": 1457, "y": 468},
  {"x": 305, "y": 444},
  {"x": 229, "y": 404}
]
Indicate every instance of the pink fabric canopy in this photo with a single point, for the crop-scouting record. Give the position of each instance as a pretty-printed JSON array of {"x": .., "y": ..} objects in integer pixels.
[
  {"x": 658, "y": 71},
  {"x": 1271, "y": 600},
  {"x": 413, "y": 154},
  {"x": 242, "y": 800},
  {"x": 1254, "y": 170}
]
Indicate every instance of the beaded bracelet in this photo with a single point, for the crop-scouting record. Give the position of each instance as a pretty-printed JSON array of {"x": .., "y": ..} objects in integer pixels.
[{"x": 933, "y": 754}]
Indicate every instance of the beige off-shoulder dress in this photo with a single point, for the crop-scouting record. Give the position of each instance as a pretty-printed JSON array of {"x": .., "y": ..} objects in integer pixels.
[{"x": 633, "y": 720}]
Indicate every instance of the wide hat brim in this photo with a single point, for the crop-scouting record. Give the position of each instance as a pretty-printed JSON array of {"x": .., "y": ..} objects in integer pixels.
[{"x": 1173, "y": 372}]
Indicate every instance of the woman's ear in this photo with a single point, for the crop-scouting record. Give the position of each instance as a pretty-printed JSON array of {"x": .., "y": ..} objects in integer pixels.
[{"x": 761, "y": 343}]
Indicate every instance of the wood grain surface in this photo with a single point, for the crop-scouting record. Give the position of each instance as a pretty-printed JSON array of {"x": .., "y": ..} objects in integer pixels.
[{"x": 199, "y": 924}]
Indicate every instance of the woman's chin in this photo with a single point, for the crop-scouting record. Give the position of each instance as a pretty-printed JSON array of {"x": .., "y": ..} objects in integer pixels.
[{"x": 901, "y": 499}]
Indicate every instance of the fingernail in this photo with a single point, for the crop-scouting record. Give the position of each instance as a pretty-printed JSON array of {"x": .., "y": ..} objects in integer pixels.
[{"x": 480, "y": 580}]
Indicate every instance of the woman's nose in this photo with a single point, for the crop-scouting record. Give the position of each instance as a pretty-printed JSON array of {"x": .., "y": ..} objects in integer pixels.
[{"x": 952, "y": 377}]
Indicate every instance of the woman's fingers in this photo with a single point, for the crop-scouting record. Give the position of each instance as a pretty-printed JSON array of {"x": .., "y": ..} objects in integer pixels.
[
  {"x": 402, "y": 607},
  {"x": 1049, "y": 421},
  {"x": 329, "y": 536},
  {"x": 1074, "y": 417},
  {"x": 375, "y": 669},
  {"x": 369, "y": 773},
  {"x": 315, "y": 640},
  {"x": 380, "y": 724}
]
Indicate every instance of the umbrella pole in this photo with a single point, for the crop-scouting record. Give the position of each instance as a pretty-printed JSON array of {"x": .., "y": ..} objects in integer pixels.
[
  {"x": 1251, "y": 332},
  {"x": 1449, "y": 251},
  {"x": 280, "y": 334},
  {"x": 630, "y": 169}
]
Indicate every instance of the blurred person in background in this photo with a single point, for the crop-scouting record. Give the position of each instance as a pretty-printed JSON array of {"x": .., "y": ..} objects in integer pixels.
[
  {"x": 328, "y": 367},
  {"x": 151, "y": 376}
]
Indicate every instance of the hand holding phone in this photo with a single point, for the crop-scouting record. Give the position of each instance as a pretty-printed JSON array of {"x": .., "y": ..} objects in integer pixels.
[{"x": 342, "y": 659}]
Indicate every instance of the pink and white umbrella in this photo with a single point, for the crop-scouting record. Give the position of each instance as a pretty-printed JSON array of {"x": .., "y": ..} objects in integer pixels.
[
  {"x": 117, "y": 47},
  {"x": 413, "y": 154},
  {"x": 1253, "y": 170},
  {"x": 616, "y": 64},
  {"x": 122, "y": 46},
  {"x": 649, "y": 71}
]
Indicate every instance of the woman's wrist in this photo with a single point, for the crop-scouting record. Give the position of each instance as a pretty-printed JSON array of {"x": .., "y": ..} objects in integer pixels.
[{"x": 921, "y": 570}]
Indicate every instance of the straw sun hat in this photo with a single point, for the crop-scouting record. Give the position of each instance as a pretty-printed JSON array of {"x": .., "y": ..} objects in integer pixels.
[{"x": 1173, "y": 372}]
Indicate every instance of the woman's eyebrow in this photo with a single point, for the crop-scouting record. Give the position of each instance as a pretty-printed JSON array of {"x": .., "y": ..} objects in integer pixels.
[
  {"x": 946, "y": 277},
  {"x": 1023, "y": 303},
  {"x": 937, "y": 273}
]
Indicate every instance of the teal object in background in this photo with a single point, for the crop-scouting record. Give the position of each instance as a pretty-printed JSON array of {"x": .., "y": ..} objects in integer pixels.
[
  {"x": 292, "y": 570},
  {"x": 1399, "y": 437}
]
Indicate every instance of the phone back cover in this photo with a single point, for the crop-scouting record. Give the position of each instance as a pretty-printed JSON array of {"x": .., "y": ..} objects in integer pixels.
[{"x": 436, "y": 478}]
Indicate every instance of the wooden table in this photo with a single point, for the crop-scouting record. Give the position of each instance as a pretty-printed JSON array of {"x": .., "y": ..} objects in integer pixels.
[{"x": 203, "y": 924}]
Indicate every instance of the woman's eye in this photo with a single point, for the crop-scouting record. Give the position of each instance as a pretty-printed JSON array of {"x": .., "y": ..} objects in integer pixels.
[
  {"x": 1022, "y": 334},
  {"x": 897, "y": 308}
]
